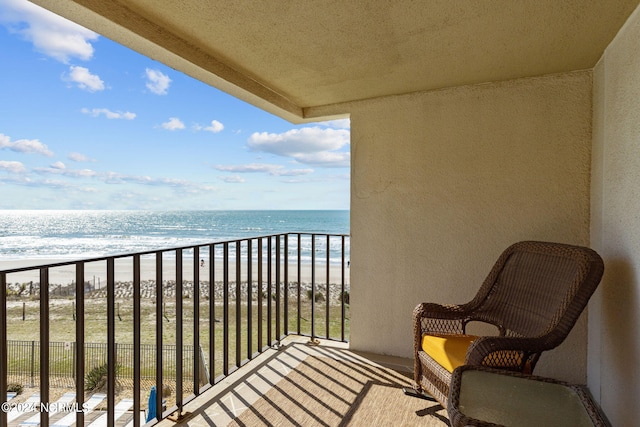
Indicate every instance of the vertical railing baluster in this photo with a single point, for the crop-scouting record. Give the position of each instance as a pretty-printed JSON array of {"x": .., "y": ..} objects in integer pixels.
[
  {"x": 196, "y": 321},
  {"x": 286, "y": 285},
  {"x": 249, "y": 299},
  {"x": 342, "y": 295},
  {"x": 278, "y": 284},
  {"x": 44, "y": 343},
  {"x": 212, "y": 314},
  {"x": 269, "y": 306},
  {"x": 327, "y": 296},
  {"x": 79, "y": 356},
  {"x": 179, "y": 334},
  {"x": 260, "y": 295},
  {"x": 3, "y": 346},
  {"x": 136, "y": 340},
  {"x": 299, "y": 267},
  {"x": 159, "y": 333},
  {"x": 225, "y": 299},
  {"x": 238, "y": 306},
  {"x": 313, "y": 287},
  {"x": 111, "y": 341}
]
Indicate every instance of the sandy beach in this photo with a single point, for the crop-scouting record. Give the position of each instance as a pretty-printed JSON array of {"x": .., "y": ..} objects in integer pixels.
[{"x": 96, "y": 272}]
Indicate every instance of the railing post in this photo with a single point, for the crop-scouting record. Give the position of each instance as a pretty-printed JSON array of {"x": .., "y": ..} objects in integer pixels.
[
  {"x": 299, "y": 268},
  {"x": 136, "y": 340},
  {"x": 342, "y": 304},
  {"x": 238, "y": 306},
  {"x": 3, "y": 346},
  {"x": 179, "y": 337},
  {"x": 44, "y": 343},
  {"x": 212, "y": 314},
  {"x": 313, "y": 287},
  {"x": 278, "y": 284},
  {"x": 249, "y": 299},
  {"x": 111, "y": 340},
  {"x": 159, "y": 343},
  {"x": 225, "y": 298},
  {"x": 286, "y": 285},
  {"x": 79, "y": 347},
  {"x": 269, "y": 281},
  {"x": 260, "y": 294},
  {"x": 327, "y": 296},
  {"x": 196, "y": 321}
]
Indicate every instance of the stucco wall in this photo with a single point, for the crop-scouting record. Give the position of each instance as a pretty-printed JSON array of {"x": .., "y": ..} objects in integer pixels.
[
  {"x": 614, "y": 323},
  {"x": 443, "y": 181}
]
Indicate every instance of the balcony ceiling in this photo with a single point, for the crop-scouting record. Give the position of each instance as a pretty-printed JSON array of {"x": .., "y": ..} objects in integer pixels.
[{"x": 305, "y": 60}]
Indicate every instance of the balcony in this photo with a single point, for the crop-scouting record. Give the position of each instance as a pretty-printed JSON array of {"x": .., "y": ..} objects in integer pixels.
[{"x": 100, "y": 328}]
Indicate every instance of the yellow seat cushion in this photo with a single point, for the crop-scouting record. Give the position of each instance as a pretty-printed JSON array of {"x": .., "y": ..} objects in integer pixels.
[{"x": 448, "y": 350}]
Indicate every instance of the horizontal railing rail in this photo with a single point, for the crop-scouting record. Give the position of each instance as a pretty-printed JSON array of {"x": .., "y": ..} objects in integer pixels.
[{"x": 218, "y": 304}]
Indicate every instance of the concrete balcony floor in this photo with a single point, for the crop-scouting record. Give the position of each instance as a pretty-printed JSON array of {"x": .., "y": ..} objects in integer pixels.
[{"x": 321, "y": 383}]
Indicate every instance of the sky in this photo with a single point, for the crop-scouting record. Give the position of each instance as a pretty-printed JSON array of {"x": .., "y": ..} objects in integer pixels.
[{"x": 86, "y": 123}]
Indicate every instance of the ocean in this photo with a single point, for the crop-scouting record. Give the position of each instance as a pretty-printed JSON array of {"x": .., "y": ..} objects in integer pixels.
[{"x": 82, "y": 234}]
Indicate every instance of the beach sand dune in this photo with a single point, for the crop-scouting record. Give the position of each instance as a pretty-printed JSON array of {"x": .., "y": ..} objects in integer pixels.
[{"x": 95, "y": 273}]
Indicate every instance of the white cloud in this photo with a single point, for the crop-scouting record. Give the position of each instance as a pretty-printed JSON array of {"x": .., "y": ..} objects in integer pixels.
[
  {"x": 215, "y": 127},
  {"x": 233, "y": 179},
  {"x": 270, "y": 169},
  {"x": 49, "y": 33},
  {"x": 59, "y": 168},
  {"x": 174, "y": 123},
  {"x": 325, "y": 159},
  {"x": 83, "y": 78},
  {"x": 24, "y": 146},
  {"x": 293, "y": 172},
  {"x": 158, "y": 82},
  {"x": 118, "y": 178},
  {"x": 79, "y": 157},
  {"x": 249, "y": 168},
  {"x": 96, "y": 112},
  {"x": 312, "y": 145},
  {"x": 88, "y": 189},
  {"x": 13, "y": 167}
]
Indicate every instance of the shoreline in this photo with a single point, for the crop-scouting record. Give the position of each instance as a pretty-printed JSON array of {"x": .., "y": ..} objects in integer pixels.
[{"x": 96, "y": 272}]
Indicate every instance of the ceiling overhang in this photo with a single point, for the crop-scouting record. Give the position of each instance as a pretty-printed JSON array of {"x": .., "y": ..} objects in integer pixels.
[{"x": 306, "y": 61}]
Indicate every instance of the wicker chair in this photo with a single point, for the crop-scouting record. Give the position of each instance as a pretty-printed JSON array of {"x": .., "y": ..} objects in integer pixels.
[{"x": 533, "y": 295}]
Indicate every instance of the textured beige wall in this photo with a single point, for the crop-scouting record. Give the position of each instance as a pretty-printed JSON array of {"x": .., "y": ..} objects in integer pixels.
[
  {"x": 614, "y": 323},
  {"x": 443, "y": 181}
]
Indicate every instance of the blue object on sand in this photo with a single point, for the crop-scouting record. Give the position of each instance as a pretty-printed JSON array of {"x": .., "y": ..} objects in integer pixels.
[{"x": 151, "y": 413}]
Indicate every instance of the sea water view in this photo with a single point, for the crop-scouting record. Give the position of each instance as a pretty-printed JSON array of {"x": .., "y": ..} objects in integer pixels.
[{"x": 78, "y": 234}]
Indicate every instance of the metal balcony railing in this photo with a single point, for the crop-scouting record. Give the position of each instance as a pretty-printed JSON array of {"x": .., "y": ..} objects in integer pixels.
[{"x": 178, "y": 319}]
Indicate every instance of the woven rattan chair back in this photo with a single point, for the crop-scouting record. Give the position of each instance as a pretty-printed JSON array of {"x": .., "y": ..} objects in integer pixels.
[{"x": 536, "y": 288}]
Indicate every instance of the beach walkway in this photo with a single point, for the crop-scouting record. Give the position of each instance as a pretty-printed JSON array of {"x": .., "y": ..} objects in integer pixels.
[
  {"x": 59, "y": 417},
  {"x": 121, "y": 408},
  {"x": 90, "y": 404},
  {"x": 64, "y": 401},
  {"x": 23, "y": 409}
]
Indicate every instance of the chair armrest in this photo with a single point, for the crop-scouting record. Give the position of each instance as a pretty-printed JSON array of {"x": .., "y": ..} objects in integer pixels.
[
  {"x": 440, "y": 311},
  {"x": 511, "y": 353},
  {"x": 438, "y": 319}
]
